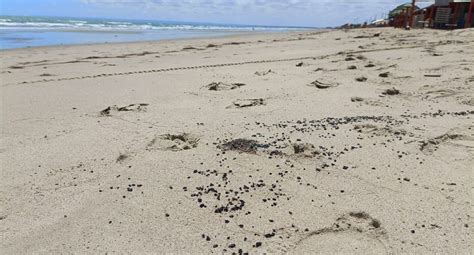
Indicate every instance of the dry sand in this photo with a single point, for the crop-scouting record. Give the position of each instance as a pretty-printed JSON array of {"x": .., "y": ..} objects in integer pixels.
[{"x": 329, "y": 141}]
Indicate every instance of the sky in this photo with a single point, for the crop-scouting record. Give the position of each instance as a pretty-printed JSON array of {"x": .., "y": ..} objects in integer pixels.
[{"x": 310, "y": 13}]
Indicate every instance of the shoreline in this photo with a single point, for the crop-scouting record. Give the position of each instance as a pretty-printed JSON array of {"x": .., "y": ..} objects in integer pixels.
[{"x": 230, "y": 35}]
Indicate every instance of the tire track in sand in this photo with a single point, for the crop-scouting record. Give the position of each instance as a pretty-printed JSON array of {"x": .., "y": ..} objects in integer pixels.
[{"x": 162, "y": 70}]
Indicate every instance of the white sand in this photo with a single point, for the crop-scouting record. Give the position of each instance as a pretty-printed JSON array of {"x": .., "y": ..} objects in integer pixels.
[{"x": 387, "y": 174}]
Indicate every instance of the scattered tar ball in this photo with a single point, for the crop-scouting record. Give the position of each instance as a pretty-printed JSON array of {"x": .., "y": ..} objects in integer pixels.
[
  {"x": 258, "y": 244},
  {"x": 270, "y": 235},
  {"x": 375, "y": 223},
  {"x": 167, "y": 215}
]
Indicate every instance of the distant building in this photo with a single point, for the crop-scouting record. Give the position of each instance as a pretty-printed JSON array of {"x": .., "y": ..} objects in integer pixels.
[
  {"x": 379, "y": 23},
  {"x": 400, "y": 16},
  {"x": 444, "y": 14},
  {"x": 451, "y": 14}
]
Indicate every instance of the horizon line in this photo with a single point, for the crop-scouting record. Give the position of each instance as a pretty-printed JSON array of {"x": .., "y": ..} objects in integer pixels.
[{"x": 171, "y": 21}]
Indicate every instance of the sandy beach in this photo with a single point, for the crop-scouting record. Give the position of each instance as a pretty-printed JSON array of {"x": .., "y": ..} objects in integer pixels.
[{"x": 325, "y": 141}]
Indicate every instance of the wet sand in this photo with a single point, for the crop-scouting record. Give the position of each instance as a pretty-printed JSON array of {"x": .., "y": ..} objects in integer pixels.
[{"x": 322, "y": 141}]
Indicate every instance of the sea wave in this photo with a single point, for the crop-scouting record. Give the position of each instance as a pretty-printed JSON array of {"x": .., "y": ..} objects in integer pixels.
[{"x": 95, "y": 24}]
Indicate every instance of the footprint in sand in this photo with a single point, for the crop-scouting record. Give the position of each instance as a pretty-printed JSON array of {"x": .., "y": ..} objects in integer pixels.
[
  {"x": 457, "y": 139},
  {"x": 324, "y": 84},
  {"x": 129, "y": 108},
  {"x": 244, "y": 103},
  {"x": 264, "y": 73},
  {"x": 458, "y": 94},
  {"x": 357, "y": 99},
  {"x": 355, "y": 232},
  {"x": 173, "y": 142},
  {"x": 301, "y": 149},
  {"x": 440, "y": 93},
  {"x": 219, "y": 86}
]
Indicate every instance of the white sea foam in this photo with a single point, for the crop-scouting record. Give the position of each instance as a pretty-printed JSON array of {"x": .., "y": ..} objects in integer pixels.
[{"x": 93, "y": 24}]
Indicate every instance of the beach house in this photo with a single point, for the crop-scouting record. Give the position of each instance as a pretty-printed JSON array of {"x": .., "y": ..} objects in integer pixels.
[
  {"x": 451, "y": 14},
  {"x": 443, "y": 14}
]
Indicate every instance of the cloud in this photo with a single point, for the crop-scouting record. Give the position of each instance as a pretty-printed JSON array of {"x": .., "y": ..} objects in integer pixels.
[
  {"x": 274, "y": 12},
  {"x": 276, "y": 4}
]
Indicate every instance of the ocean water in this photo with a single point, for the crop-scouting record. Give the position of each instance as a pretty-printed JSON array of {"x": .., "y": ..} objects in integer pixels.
[{"x": 22, "y": 31}]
